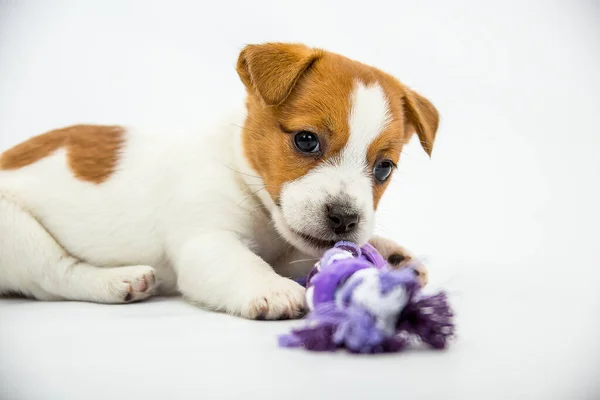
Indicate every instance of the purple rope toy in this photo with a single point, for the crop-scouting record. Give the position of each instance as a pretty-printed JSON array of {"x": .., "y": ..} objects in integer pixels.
[{"x": 358, "y": 302}]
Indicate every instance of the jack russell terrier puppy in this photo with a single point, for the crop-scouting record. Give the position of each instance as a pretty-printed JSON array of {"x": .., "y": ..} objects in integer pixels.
[{"x": 113, "y": 214}]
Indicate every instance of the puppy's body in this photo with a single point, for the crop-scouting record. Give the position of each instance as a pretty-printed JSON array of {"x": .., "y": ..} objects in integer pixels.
[
  {"x": 115, "y": 214},
  {"x": 165, "y": 188}
]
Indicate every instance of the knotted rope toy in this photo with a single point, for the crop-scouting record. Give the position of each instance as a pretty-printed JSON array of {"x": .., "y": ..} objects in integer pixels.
[{"x": 358, "y": 302}]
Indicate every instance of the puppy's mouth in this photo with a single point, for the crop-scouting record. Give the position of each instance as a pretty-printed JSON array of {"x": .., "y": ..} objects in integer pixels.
[{"x": 314, "y": 241}]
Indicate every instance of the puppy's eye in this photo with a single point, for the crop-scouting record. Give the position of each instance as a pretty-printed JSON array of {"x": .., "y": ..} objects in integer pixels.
[
  {"x": 383, "y": 170},
  {"x": 307, "y": 142}
]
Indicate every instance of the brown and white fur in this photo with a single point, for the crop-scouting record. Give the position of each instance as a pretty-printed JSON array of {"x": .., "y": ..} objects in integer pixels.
[{"x": 114, "y": 214}]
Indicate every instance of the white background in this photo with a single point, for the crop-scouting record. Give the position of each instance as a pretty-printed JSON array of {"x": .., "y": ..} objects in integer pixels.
[{"x": 506, "y": 211}]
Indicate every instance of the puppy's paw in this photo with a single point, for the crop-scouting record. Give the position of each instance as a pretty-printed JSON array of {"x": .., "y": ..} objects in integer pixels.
[
  {"x": 277, "y": 298},
  {"x": 398, "y": 257},
  {"x": 133, "y": 283}
]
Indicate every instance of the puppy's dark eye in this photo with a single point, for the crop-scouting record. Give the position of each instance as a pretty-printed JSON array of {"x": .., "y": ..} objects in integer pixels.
[
  {"x": 307, "y": 142},
  {"x": 383, "y": 170}
]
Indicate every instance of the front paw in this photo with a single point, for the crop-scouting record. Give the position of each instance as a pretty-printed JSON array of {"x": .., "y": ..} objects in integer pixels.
[
  {"x": 400, "y": 260},
  {"x": 398, "y": 257},
  {"x": 277, "y": 298}
]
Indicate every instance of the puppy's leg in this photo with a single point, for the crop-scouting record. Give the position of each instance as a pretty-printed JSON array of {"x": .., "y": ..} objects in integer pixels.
[
  {"x": 34, "y": 264},
  {"x": 399, "y": 257},
  {"x": 219, "y": 271}
]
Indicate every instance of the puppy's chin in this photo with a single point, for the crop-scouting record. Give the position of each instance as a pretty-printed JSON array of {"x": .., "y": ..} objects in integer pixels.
[
  {"x": 293, "y": 238},
  {"x": 310, "y": 245}
]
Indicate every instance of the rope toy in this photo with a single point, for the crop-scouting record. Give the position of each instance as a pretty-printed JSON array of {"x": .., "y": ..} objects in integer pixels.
[{"x": 358, "y": 302}]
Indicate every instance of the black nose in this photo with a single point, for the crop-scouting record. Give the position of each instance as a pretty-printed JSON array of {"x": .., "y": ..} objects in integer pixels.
[{"x": 341, "y": 220}]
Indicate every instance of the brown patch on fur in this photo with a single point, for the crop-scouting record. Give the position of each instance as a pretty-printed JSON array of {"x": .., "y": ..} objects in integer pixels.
[
  {"x": 272, "y": 71},
  {"x": 423, "y": 118},
  {"x": 92, "y": 150},
  {"x": 292, "y": 87}
]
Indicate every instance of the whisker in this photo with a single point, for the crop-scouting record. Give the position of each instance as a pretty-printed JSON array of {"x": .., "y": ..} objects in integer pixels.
[
  {"x": 248, "y": 129},
  {"x": 252, "y": 209},
  {"x": 249, "y": 118},
  {"x": 242, "y": 173},
  {"x": 303, "y": 260},
  {"x": 250, "y": 195},
  {"x": 261, "y": 184},
  {"x": 278, "y": 236}
]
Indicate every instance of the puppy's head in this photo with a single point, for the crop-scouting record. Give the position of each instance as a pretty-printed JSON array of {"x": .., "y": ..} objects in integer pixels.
[{"x": 325, "y": 133}]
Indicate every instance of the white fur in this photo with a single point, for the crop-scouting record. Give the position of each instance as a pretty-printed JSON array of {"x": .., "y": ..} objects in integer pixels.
[
  {"x": 346, "y": 178},
  {"x": 181, "y": 209},
  {"x": 176, "y": 207},
  {"x": 369, "y": 116}
]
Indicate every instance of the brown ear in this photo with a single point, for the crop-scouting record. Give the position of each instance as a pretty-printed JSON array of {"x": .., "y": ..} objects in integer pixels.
[
  {"x": 271, "y": 70},
  {"x": 422, "y": 117}
]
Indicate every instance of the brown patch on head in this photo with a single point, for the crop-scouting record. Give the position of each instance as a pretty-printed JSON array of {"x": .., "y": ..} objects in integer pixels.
[
  {"x": 92, "y": 151},
  {"x": 293, "y": 88}
]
